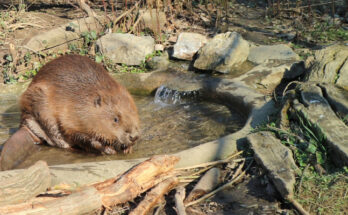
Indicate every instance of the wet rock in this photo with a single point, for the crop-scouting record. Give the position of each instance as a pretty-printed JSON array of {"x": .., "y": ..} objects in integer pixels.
[
  {"x": 263, "y": 78},
  {"x": 337, "y": 97},
  {"x": 126, "y": 48},
  {"x": 316, "y": 110},
  {"x": 222, "y": 53},
  {"x": 262, "y": 54},
  {"x": 159, "y": 62},
  {"x": 330, "y": 66},
  {"x": 59, "y": 36},
  {"x": 188, "y": 44},
  {"x": 266, "y": 77},
  {"x": 154, "y": 20},
  {"x": 277, "y": 159}
]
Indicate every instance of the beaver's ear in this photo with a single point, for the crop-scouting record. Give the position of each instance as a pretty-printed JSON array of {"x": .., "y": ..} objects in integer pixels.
[{"x": 97, "y": 101}]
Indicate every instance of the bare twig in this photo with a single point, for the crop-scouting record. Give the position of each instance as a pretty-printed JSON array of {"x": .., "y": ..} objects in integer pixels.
[
  {"x": 213, "y": 163},
  {"x": 287, "y": 86},
  {"x": 298, "y": 207},
  {"x": 301, "y": 179},
  {"x": 125, "y": 13},
  {"x": 86, "y": 8}
]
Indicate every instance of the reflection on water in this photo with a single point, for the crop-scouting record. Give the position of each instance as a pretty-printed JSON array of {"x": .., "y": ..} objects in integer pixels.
[{"x": 165, "y": 129}]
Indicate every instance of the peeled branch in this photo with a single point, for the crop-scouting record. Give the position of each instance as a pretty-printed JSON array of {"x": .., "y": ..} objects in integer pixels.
[
  {"x": 205, "y": 185},
  {"x": 154, "y": 196},
  {"x": 138, "y": 179}
]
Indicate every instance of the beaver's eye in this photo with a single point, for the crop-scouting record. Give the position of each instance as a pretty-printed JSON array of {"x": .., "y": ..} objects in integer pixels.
[{"x": 116, "y": 119}]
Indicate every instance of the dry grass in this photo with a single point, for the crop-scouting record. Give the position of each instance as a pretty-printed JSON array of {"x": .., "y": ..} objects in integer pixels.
[{"x": 325, "y": 194}]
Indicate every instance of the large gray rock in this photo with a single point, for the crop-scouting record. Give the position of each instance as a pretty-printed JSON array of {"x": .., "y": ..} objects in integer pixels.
[
  {"x": 222, "y": 53},
  {"x": 60, "y": 37},
  {"x": 126, "y": 48},
  {"x": 188, "y": 44},
  {"x": 330, "y": 66},
  {"x": 316, "y": 110},
  {"x": 277, "y": 159},
  {"x": 263, "y": 54}
]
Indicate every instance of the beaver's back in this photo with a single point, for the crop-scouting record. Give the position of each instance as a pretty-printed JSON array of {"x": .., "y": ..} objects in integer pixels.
[{"x": 75, "y": 74}]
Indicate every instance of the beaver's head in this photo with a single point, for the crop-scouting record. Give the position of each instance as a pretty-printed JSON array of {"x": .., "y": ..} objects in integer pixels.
[{"x": 113, "y": 122}]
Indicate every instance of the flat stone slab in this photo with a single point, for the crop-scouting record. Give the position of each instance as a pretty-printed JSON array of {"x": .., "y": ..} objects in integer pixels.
[
  {"x": 277, "y": 159},
  {"x": 188, "y": 44},
  {"x": 264, "y": 78},
  {"x": 262, "y": 54},
  {"x": 330, "y": 66},
  {"x": 126, "y": 48},
  {"x": 318, "y": 112},
  {"x": 337, "y": 97}
]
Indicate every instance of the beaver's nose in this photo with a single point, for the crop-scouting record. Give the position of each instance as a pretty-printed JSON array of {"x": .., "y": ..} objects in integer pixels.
[{"x": 133, "y": 138}]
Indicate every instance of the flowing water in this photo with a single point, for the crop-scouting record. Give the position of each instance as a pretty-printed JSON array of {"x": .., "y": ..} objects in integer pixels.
[{"x": 170, "y": 122}]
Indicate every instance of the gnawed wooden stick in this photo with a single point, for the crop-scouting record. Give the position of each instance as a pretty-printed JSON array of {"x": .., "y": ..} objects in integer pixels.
[
  {"x": 137, "y": 180},
  {"x": 205, "y": 185},
  {"x": 108, "y": 193},
  {"x": 26, "y": 185},
  {"x": 154, "y": 196},
  {"x": 235, "y": 178},
  {"x": 179, "y": 200}
]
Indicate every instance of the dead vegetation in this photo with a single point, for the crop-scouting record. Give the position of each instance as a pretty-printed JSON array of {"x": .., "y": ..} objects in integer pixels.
[
  {"x": 156, "y": 177},
  {"x": 304, "y": 23}
]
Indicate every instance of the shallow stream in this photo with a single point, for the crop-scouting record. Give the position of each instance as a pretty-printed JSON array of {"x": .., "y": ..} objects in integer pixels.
[{"x": 168, "y": 125}]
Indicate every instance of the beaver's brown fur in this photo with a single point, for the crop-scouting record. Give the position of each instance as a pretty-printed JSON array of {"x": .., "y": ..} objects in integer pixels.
[{"x": 73, "y": 101}]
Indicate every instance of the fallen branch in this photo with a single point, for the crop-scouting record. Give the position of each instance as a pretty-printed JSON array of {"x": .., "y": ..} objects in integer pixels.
[
  {"x": 228, "y": 184},
  {"x": 108, "y": 193},
  {"x": 86, "y": 8},
  {"x": 179, "y": 201},
  {"x": 138, "y": 179},
  {"x": 205, "y": 185},
  {"x": 298, "y": 206},
  {"x": 154, "y": 196}
]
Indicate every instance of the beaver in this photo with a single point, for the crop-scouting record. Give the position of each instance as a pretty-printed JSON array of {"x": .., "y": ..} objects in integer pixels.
[{"x": 73, "y": 101}]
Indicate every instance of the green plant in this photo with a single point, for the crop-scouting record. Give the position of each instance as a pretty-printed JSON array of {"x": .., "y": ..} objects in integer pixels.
[
  {"x": 29, "y": 74},
  {"x": 133, "y": 69},
  {"x": 72, "y": 47},
  {"x": 89, "y": 37},
  {"x": 345, "y": 119}
]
